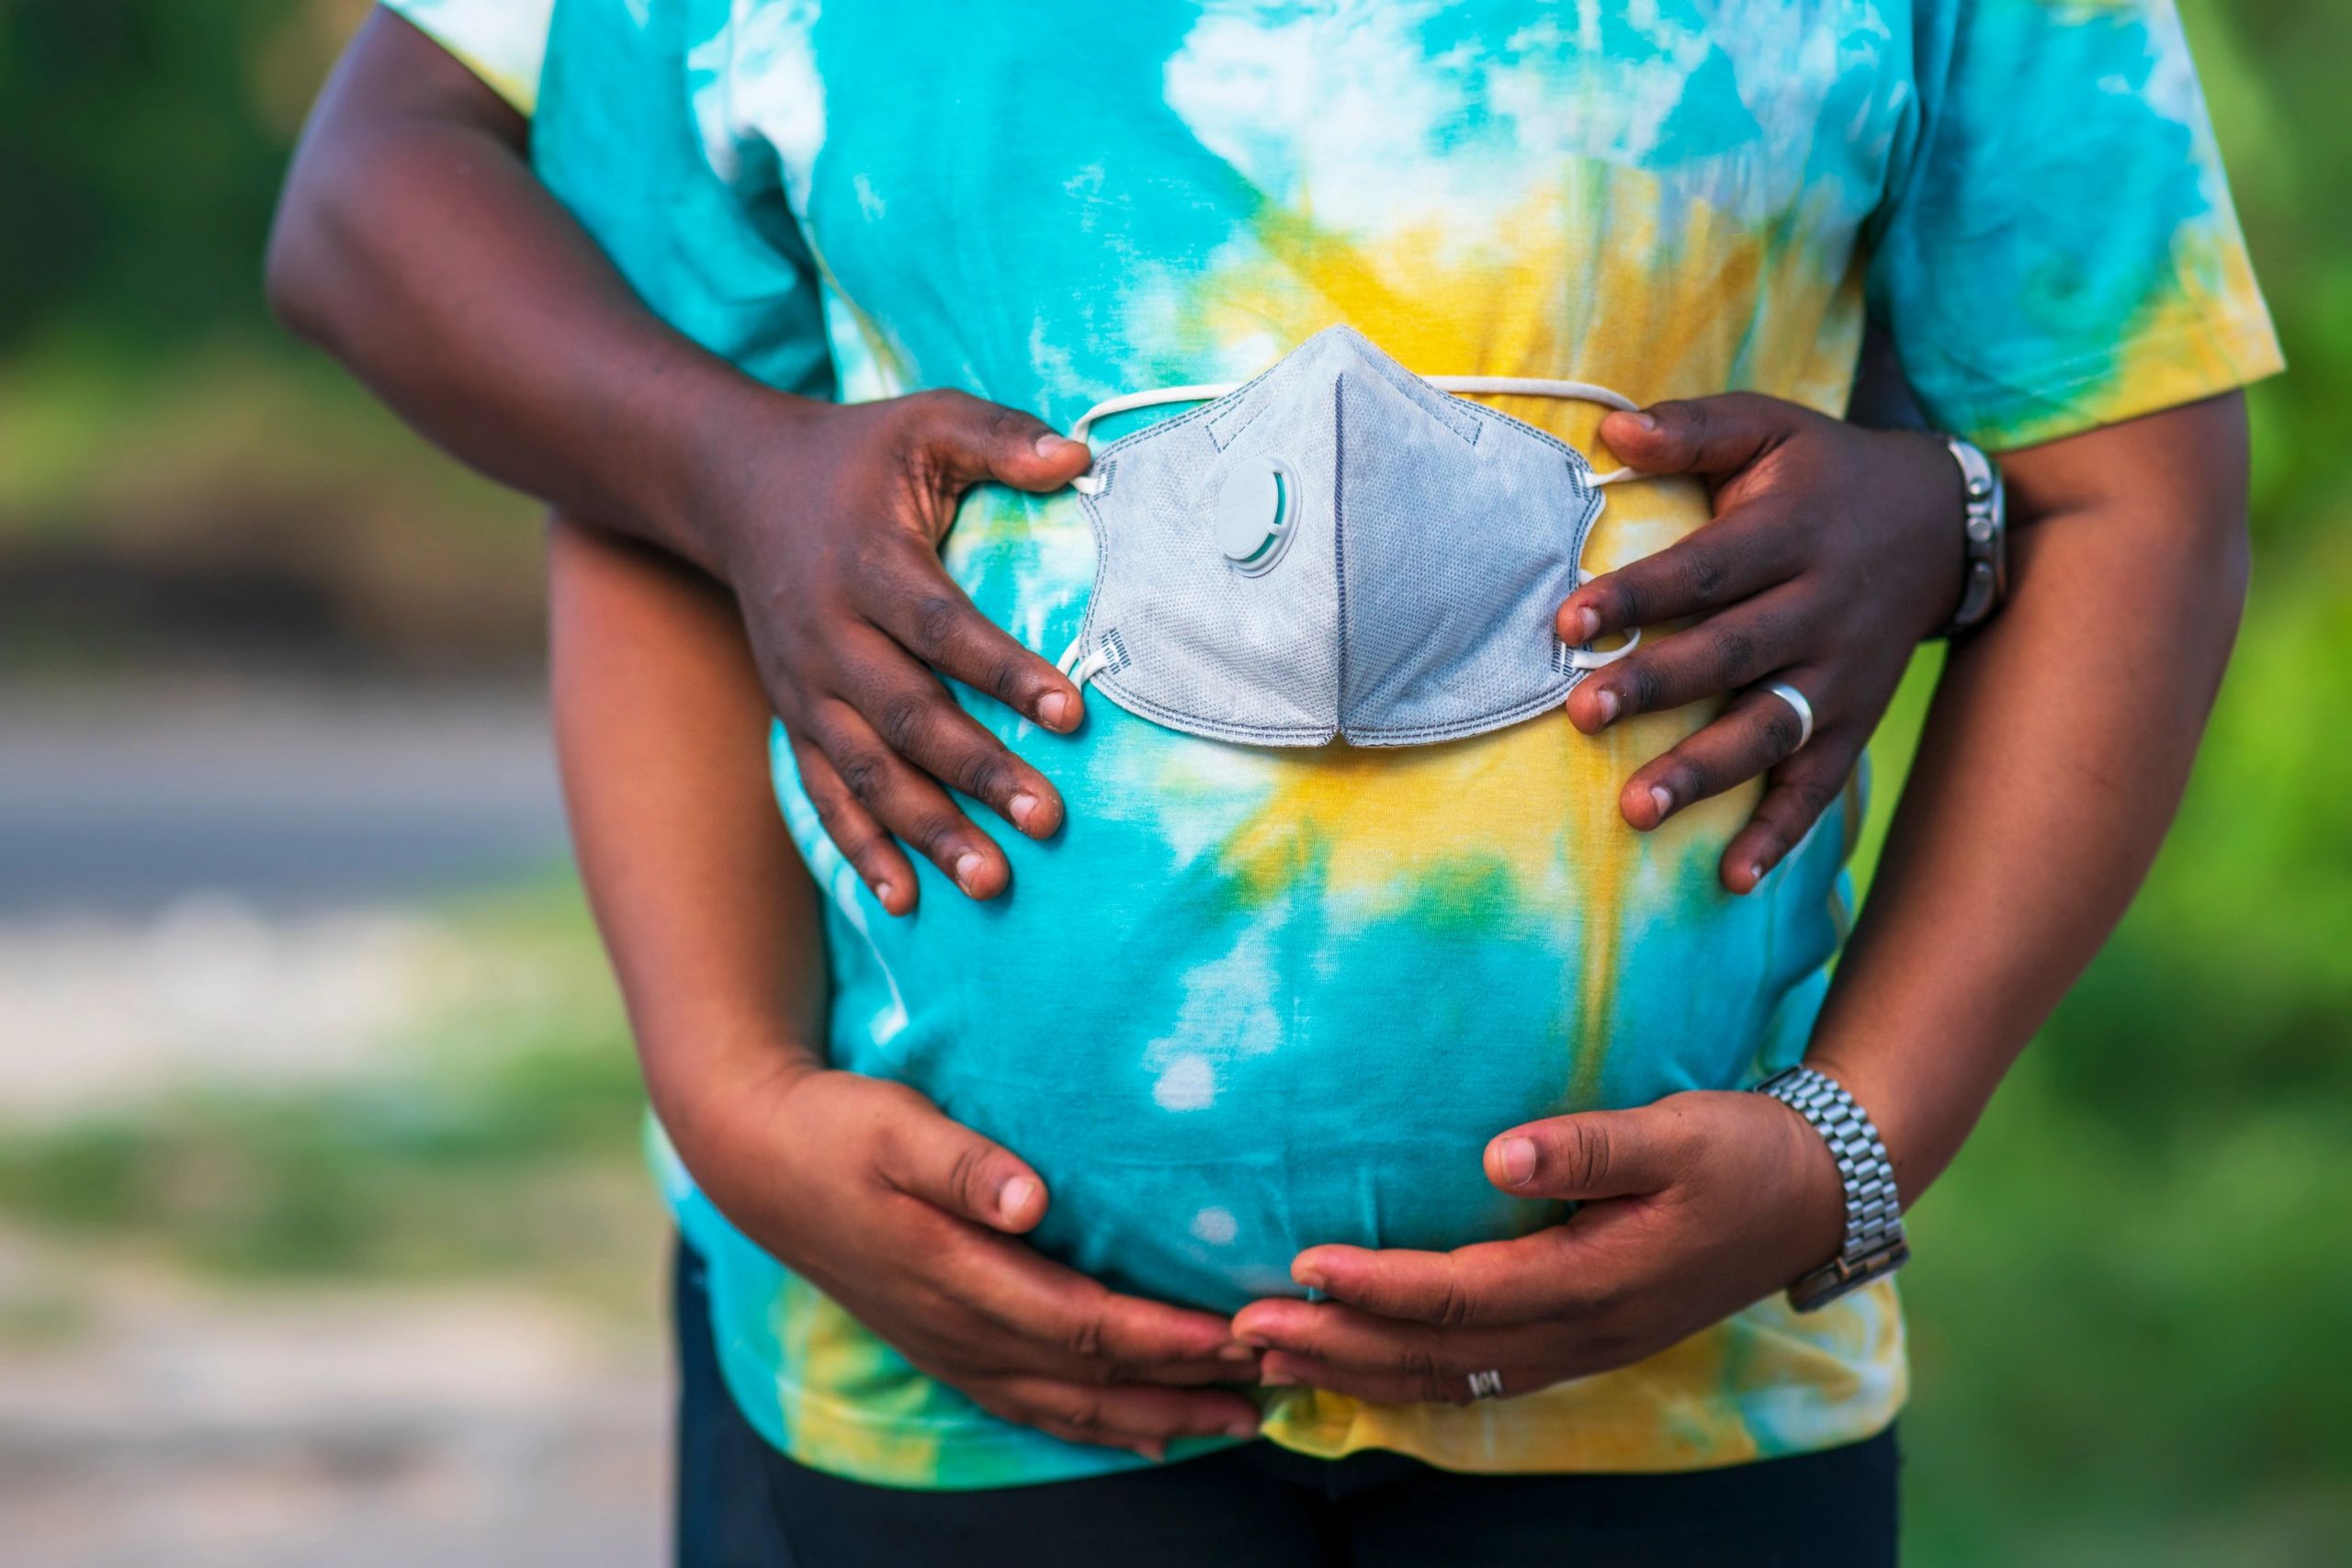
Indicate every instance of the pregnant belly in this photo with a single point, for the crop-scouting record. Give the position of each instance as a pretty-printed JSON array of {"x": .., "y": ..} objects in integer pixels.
[{"x": 1269, "y": 1001}]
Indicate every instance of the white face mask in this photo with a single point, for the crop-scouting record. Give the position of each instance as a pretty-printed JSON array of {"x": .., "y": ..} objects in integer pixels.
[{"x": 1338, "y": 547}]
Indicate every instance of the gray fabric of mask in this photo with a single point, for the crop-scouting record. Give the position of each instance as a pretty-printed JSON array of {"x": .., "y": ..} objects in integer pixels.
[{"x": 1337, "y": 547}]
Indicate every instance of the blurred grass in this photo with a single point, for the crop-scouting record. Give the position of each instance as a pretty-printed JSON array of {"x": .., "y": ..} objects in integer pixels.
[
  {"x": 2130, "y": 1296},
  {"x": 504, "y": 1148}
]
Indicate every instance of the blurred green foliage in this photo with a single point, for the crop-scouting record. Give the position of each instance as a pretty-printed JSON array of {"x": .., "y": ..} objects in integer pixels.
[{"x": 2132, "y": 1296}]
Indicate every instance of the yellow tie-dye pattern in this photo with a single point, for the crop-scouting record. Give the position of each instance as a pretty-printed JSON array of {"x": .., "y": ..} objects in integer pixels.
[{"x": 1379, "y": 827}]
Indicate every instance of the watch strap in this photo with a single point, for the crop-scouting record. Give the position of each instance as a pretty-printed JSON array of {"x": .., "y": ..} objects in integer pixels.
[
  {"x": 1874, "y": 1243},
  {"x": 1985, "y": 536}
]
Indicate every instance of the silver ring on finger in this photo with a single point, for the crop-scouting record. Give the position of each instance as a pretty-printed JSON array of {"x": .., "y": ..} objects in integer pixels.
[
  {"x": 1795, "y": 699},
  {"x": 1485, "y": 1386}
]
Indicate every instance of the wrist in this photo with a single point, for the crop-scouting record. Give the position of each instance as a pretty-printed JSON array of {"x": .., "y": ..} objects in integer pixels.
[
  {"x": 1869, "y": 1242},
  {"x": 737, "y": 437},
  {"x": 710, "y": 1080}
]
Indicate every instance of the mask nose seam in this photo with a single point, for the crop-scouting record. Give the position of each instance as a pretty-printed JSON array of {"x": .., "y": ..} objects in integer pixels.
[{"x": 1340, "y": 540}]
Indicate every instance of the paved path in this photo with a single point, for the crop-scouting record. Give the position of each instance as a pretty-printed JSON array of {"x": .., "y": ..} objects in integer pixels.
[{"x": 120, "y": 801}]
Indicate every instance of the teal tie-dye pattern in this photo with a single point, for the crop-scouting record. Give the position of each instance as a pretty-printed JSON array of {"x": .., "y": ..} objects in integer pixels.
[{"x": 1249, "y": 1001}]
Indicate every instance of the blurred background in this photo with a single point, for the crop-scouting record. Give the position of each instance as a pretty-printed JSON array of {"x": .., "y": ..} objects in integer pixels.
[{"x": 322, "y": 1229}]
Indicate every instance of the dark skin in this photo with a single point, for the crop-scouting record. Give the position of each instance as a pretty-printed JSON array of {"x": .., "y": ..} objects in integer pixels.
[
  {"x": 906, "y": 1219},
  {"x": 415, "y": 244}
]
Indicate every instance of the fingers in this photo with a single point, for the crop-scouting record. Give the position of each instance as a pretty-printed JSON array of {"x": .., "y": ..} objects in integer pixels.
[
  {"x": 919, "y": 721},
  {"x": 1593, "y": 1153},
  {"x": 1729, "y": 650},
  {"x": 1800, "y": 791},
  {"x": 926, "y": 1154},
  {"x": 908, "y": 801},
  {"x": 862, "y": 840},
  {"x": 1490, "y": 1284},
  {"x": 909, "y": 595},
  {"x": 1379, "y": 1358},
  {"x": 1758, "y": 733},
  {"x": 1082, "y": 1332},
  {"x": 1714, "y": 435},
  {"x": 970, "y": 441},
  {"x": 1137, "y": 1417},
  {"x": 1734, "y": 558}
]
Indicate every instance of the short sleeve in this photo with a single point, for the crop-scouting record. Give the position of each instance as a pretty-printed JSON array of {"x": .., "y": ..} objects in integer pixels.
[
  {"x": 504, "y": 42},
  {"x": 2059, "y": 251},
  {"x": 617, "y": 141}
]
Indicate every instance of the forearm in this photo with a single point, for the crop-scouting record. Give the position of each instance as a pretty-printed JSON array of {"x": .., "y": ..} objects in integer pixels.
[
  {"x": 2054, "y": 756},
  {"x": 703, "y": 903},
  {"x": 414, "y": 243}
]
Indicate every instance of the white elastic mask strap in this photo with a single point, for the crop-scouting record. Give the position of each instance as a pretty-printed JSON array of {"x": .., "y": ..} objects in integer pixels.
[
  {"x": 1594, "y": 659},
  {"x": 1081, "y": 671},
  {"x": 1205, "y": 392}
]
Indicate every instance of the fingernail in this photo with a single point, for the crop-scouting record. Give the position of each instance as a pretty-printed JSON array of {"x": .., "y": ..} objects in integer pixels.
[
  {"x": 886, "y": 891},
  {"x": 1644, "y": 418},
  {"x": 1515, "y": 1157},
  {"x": 1242, "y": 1429},
  {"x": 1587, "y": 624},
  {"x": 1021, "y": 807},
  {"x": 1055, "y": 446},
  {"x": 1256, "y": 1342},
  {"x": 1012, "y": 1195},
  {"x": 1756, "y": 870},
  {"x": 1276, "y": 1380},
  {"x": 1608, "y": 703},
  {"x": 1237, "y": 1355},
  {"x": 1665, "y": 798},
  {"x": 1053, "y": 710}
]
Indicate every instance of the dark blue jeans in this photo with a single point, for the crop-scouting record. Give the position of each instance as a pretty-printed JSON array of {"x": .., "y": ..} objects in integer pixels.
[{"x": 743, "y": 1505}]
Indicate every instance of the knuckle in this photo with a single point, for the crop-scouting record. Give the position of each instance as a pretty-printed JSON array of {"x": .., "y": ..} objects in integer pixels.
[
  {"x": 1418, "y": 1362},
  {"x": 1644, "y": 686},
  {"x": 1620, "y": 599},
  {"x": 1006, "y": 681},
  {"x": 865, "y": 774},
  {"x": 1586, "y": 1155},
  {"x": 1734, "y": 653},
  {"x": 1456, "y": 1306},
  {"x": 936, "y": 619},
  {"x": 1083, "y": 1337},
  {"x": 968, "y": 1174},
  {"x": 904, "y": 718},
  {"x": 1779, "y": 727},
  {"x": 1702, "y": 576},
  {"x": 941, "y": 835},
  {"x": 986, "y": 774}
]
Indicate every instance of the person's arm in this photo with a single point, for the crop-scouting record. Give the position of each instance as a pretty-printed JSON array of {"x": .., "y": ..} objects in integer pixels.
[
  {"x": 904, "y": 1217},
  {"x": 2054, "y": 756},
  {"x": 415, "y": 242}
]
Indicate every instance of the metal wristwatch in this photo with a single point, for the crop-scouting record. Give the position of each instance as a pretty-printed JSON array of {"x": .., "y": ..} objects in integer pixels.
[
  {"x": 1875, "y": 1244},
  {"x": 1985, "y": 537}
]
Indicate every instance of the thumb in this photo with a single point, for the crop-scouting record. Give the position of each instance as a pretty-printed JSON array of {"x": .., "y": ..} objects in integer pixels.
[
  {"x": 925, "y": 1154},
  {"x": 1715, "y": 436},
  {"x": 1595, "y": 1154},
  {"x": 974, "y": 441}
]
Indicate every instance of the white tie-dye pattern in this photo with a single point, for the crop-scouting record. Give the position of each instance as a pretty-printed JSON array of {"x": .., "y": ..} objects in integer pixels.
[
  {"x": 1227, "y": 1016},
  {"x": 757, "y": 79},
  {"x": 1351, "y": 118}
]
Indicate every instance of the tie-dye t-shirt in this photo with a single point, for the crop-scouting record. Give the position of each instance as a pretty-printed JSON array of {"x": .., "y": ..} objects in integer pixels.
[{"x": 1251, "y": 1000}]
